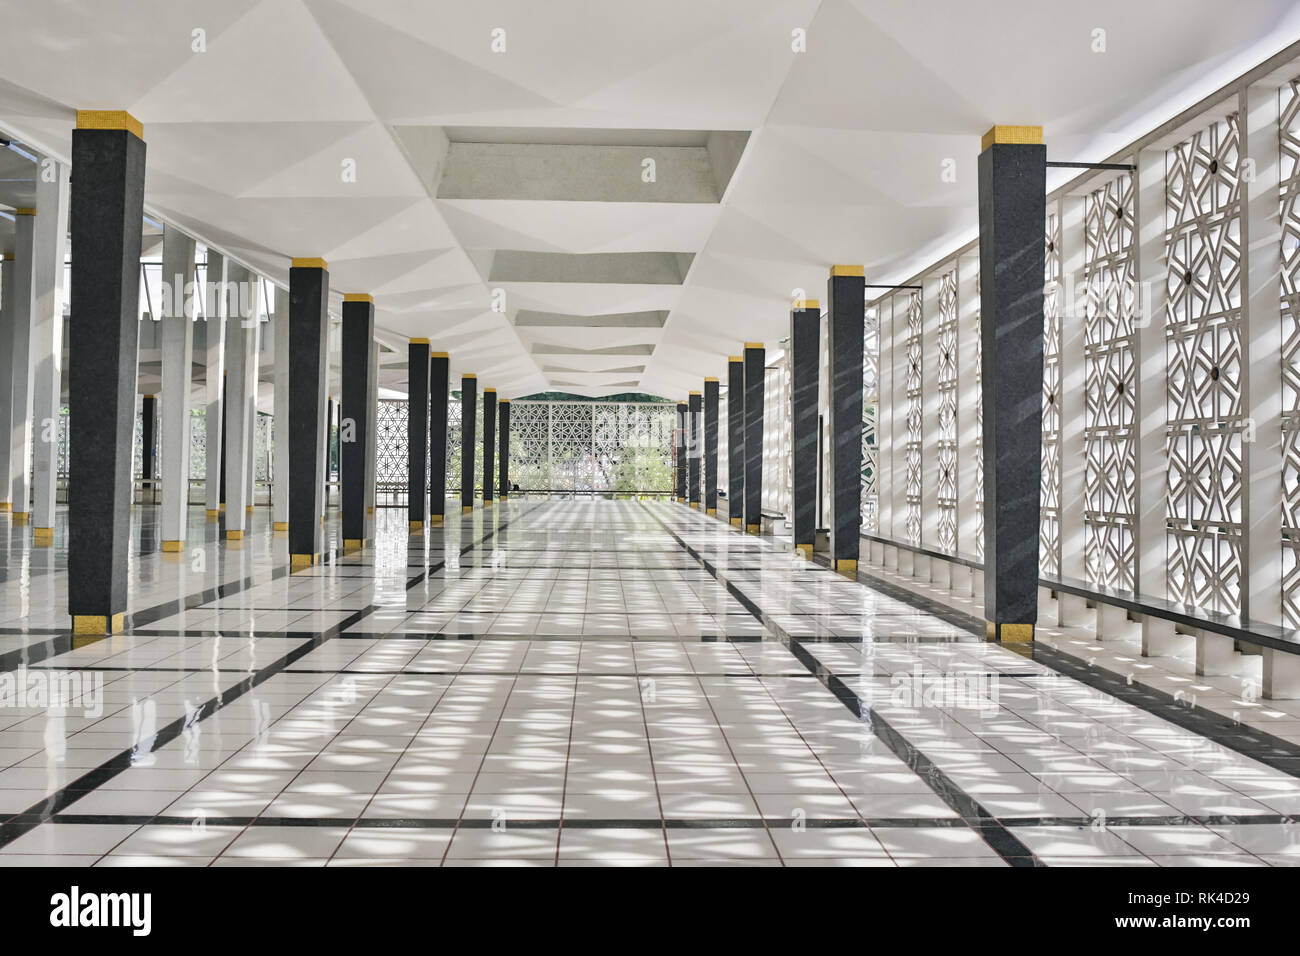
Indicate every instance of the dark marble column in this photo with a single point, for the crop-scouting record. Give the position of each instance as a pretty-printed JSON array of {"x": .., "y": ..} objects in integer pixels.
[
  {"x": 354, "y": 423},
  {"x": 439, "y": 384},
  {"x": 417, "y": 431},
  {"x": 805, "y": 352},
  {"x": 679, "y": 469},
  {"x": 696, "y": 403},
  {"x": 107, "y": 208},
  {"x": 309, "y": 286},
  {"x": 468, "y": 408},
  {"x": 755, "y": 371},
  {"x": 845, "y": 316},
  {"x": 503, "y": 489},
  {"x": 1013, "y": 206},
  {"x": 489, "y": 443},
  {"x": 736, "y": 441},
  {"x": 710, "y": 446},
  {"x": 148, "y": 444}
]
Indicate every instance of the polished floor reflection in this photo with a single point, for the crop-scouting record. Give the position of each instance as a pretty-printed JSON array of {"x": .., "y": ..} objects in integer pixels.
[{"x": 577, "y": 683}]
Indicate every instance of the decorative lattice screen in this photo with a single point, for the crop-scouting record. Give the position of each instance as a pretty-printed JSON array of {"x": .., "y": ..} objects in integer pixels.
[
  {"x": 554, "y": 446},
  {"x": 1203, "y": 336},
  {"x": 1049, "y": 497},
  {"x": 1110, "y": 481},
  {"x": 915, "y": 409}
]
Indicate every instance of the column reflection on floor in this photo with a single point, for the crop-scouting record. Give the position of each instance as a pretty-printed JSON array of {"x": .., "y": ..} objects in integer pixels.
[{"x": 573, "y": 682}]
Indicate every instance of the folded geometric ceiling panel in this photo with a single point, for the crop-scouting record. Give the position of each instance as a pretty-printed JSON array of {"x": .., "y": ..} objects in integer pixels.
[
  {"x": 545, "y": 348},
  {"x": 530, "y": 318},
  {"x": 597, "y": 268},
  {"x": 573, "y": 165}
]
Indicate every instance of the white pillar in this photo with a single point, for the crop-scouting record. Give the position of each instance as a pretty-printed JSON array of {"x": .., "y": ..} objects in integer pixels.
[
  {"x": 1261, "y": 328},
  {"x": 968, "y": 398},
  {"x": 215, "y": 360},
  {"x": 280, "y": 408},
  {"x": 257, "y": 303},
  {"x": 177, "y": 340},
  {"x": 253, "y": 325},
  {"x": 1150, "y": 268},
  {"x": 240, "y": 340},
  {"x": 20, "y": 433},
  {"x": 8, "y": 283},
  {"x": 50, "y": 245}
]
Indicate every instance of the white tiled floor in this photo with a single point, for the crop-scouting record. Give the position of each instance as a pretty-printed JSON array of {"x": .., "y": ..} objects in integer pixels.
[{"x": 570, "y": 683}]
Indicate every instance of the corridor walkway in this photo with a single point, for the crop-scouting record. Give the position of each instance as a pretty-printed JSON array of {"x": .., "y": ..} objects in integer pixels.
[{"x": 560, "y": 682}]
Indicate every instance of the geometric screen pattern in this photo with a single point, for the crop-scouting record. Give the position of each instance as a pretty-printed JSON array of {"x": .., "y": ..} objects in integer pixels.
[
  {"x": 592, "y": 446},
  {"x": 1110, "y": 482},
  {"x": 946, "y": 448},
  {"x": 391, "y": 442},
  {"x": 914, "y": 433},
  {"x": 554, "y": 446},
  {"x": 1049, "y": 528},
  {"x": 870, "y": 407},
  {"x": 1203, "y": 344},
  {"x": 1290, "y": 181}
]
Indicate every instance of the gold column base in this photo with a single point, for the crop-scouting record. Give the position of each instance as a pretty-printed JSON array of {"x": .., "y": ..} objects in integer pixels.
[
  {"x": 487, "y": 502},
  {"x": 753, "y": 528},
  {"x": 736, "y": 522},
  {"x": 435, "y": 519},
  {"x": 710, "y": 511},
  {"x": 248, "y": 509},
  {"x": 100, "y": 625},
  {"x": 370, "y": 511},
  {"x": 681, "y": 501},
  {"x": 1006, "y": 633},
  {"x": 417, "y": 527},
  {"x": 6, "y": 506},
  {"x": 466, "y": 509},
  {"x": 695, "y": 504},
  {"x": 232, "y": 535},
  {"x": 502, "y": 497},
  {"x": 353, "y": 544},
  {"x": 847, "y": 566},
  {"x": 173, "y": 545},
  {"x": 42, "y": 536},
  {"x": 280, "y": 526},
  {"x": 221, "y": 507},
  {"x": 212, "y": 514},
  {"x": 805, "y": 549},
  {"x": 22, "y": 517},
  {"x": 299, "y": 561}
]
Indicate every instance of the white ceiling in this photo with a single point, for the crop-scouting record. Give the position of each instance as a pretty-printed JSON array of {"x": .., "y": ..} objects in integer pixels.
[{"x": 246, "y": 141}]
